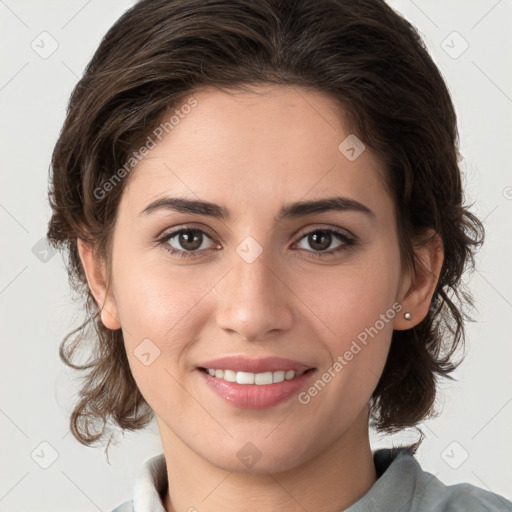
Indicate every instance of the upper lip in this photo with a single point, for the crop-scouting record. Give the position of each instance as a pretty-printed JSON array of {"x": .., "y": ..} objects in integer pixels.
[{"x": 260, "y": 365}]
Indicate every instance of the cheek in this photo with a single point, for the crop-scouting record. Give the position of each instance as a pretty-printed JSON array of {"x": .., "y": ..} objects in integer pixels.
[
  {"x": 152, "y": 297},
  {"x": 159, "y": 318},
  {"x": 349, "y": 300},
  {"x": 163, "y": 311},
  {"x": 354, "y": 335},
  {"x": 354, "y": 308}
]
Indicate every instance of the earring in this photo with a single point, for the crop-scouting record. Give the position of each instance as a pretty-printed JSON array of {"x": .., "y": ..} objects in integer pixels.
[{"x": 407, "y": 316}]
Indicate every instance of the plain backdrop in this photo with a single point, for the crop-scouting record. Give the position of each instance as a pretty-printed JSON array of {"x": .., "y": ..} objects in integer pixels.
[{"x": 45, "y": 47}]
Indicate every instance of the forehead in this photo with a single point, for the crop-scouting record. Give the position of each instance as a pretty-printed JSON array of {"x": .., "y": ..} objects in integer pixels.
[{"x": 270, "y": 144}]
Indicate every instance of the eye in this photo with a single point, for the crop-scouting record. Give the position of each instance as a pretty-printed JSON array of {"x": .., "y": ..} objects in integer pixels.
[
  {"x": 185, "y": 242},
  {"x": 189, "y": 242},
  {"x": 321, "y": 239}
]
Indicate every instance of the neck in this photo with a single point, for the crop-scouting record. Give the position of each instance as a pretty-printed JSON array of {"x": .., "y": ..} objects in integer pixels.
[{"x": 330, "y": 482}]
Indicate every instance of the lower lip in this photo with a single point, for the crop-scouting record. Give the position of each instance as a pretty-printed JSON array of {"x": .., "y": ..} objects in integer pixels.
[{"x": 254, "y": 396}]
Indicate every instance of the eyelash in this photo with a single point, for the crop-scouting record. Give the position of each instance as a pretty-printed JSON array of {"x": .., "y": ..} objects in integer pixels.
[{"x": 348, "y": 242}]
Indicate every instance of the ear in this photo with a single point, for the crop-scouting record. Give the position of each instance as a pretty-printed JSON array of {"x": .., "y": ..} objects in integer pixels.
[
  {"x": 95, "y": 270},
  {"x": 419, "y": 285}
]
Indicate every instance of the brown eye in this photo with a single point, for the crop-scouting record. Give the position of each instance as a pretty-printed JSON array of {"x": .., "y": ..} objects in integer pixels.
[
  {"x": 320, "y": 240},
  {"x": 186, "y": 242},
  {"x": 190, "y": 240}
]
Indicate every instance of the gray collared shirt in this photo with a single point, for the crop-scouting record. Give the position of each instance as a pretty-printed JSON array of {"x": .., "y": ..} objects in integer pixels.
[{"x": 402, "y": 486}]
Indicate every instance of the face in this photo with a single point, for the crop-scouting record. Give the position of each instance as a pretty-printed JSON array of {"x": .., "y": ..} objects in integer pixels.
[{"x": 318, "y": 288}]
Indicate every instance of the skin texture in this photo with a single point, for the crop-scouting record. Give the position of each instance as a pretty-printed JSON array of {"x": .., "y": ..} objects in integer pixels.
[{"x": 254, "y": 152}]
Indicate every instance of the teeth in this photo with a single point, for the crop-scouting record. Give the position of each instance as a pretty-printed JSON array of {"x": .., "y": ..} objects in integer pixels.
[
  {"x": 254, "y": 378},
  {"x": 229, "y": 375}
]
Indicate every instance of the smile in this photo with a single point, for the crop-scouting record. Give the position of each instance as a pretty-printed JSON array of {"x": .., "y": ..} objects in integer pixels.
[
  {"x": 263, "y": 390},
  {"x": 260, "y": 379}
]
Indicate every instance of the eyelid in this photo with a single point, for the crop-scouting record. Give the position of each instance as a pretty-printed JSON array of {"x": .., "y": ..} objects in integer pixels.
[
  {"x": 348, "y": 241},
  {"x": 297, "y": 234},
  {"x": 169, "y": 233},
  {"x": 324, "y": 227}
]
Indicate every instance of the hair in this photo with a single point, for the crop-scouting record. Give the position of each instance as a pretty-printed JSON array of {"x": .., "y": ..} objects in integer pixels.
[{"x": 363, "y": 55}]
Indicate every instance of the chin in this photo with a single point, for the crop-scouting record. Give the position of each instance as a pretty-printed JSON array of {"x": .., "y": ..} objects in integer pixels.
[{"x": 255, "y": 459}]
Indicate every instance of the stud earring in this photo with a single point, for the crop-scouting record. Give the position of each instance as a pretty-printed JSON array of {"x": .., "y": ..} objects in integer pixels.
[{"x": 407, "y": 316}]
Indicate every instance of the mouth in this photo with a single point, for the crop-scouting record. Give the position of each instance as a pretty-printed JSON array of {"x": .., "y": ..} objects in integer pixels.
[
  {"x": 254, "y": 383},
  {"x": 248, "y": 383},
  {"x": 259, "y": 379}
]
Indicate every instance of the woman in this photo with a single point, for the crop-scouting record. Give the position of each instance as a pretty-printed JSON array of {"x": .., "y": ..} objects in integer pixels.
[{"x": 262, "y": 206}]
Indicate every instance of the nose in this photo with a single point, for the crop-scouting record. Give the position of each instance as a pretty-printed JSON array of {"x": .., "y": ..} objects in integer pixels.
[{"x": 255, "y": 300}]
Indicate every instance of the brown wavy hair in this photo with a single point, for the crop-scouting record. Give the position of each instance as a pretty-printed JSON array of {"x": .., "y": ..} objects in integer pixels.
[{"x": 362, "y": 54}]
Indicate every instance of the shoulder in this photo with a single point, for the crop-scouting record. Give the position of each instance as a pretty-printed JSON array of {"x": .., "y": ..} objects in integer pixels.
[
  {"x": 149, "y": 488},
  {"x": 463, "y": 497},
  {"x": 467, "y": 497},
  {"x": 403, "y": 485}
]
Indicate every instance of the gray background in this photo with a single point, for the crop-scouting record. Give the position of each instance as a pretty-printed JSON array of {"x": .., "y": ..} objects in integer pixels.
[{"x": 470, "y": 441}]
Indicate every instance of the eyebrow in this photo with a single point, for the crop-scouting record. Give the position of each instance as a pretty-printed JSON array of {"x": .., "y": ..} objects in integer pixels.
[{"x": 289, "y": 211}]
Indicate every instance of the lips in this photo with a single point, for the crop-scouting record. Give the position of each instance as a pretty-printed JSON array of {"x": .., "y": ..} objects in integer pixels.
[
  {"x": 244, "y": 364},
  {"x": 258, "y": 395},
  {"x": 253, "y": 396}
]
